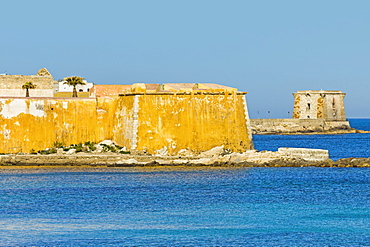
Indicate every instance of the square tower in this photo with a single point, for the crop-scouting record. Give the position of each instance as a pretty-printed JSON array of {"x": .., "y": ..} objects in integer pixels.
[{"x": 327, "y": 105}]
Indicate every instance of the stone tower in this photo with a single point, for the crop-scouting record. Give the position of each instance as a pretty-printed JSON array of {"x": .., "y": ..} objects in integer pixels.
[{"x": 327, "y": 105}]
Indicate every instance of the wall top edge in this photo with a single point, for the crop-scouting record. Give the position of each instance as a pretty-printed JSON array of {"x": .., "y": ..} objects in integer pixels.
[
  {"x": 319, "y": 92},
  {"x": 51, "y": 98},
  {"x": 182, "y": 93}
]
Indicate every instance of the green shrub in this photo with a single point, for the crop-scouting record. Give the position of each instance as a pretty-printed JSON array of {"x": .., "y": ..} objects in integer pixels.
[
  {"x": 107, "y": 148},
  {"x": 90, "y": 146},
  {"x": 58, "y": 145},
  {"x": 48, "y": 151}
]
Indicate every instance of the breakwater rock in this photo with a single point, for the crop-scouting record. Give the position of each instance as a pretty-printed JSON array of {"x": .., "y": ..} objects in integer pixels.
[
  {"x": 301, "y": 127},
  {"x": 284, "y": 157},
  {"x": 352, "y": 162}
]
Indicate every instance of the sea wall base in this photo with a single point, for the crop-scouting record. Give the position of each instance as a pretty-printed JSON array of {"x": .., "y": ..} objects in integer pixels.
[{"x": 299, "y": 126}]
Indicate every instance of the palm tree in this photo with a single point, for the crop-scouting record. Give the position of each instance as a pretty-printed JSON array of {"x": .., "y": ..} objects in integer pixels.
[
  {"x": 74, "y": 81},
  {"x": 28, "y": 85}
]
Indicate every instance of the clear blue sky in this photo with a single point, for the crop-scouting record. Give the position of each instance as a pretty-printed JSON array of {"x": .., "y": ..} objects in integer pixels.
[{"x": 269, "y": 49}]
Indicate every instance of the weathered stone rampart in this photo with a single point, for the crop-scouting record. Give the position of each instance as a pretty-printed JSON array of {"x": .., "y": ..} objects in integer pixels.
[
  {"x": 170, "y": 122},
  {"x": 163, "y": 123},
  {"x": 35, "y": 124}
]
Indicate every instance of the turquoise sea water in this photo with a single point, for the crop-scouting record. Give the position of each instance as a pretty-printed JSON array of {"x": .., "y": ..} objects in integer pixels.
[
  {"x": 188, "y": 206},
  {"x": 339, "y": 146}
]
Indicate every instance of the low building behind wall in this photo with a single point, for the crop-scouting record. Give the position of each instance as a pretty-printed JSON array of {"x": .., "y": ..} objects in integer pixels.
[
  {"x": 61, "y": 87},
  {"x": 11, "y": 85},
  {"x": 141, "y": 120}
]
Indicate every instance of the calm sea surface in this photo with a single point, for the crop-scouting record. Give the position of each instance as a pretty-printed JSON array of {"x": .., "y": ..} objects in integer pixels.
[
  {"x": 191, "y": 206},
  {"x": 339, "y": 146}
]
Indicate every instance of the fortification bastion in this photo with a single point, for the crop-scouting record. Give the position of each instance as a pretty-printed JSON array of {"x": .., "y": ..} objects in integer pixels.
[{"x": 146, "y": 118}]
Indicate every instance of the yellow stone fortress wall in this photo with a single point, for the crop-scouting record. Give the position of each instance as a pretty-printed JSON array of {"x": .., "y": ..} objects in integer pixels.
[
  {"x": 172, "y": 117},
  {"x": 29, "y": 123},
  {"x": 197, "y": 122}
]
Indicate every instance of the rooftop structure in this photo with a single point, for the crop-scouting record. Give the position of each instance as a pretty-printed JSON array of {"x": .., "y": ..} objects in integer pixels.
[
  {"x": 64, "y": 90},
  {"x": 11, "y": 85}
]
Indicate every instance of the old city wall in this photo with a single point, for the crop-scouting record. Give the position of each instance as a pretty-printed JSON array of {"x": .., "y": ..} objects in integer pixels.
[
  {"x": 171, "y": 122},
  {"x": 36, "y": 124},
  {"x": 11, "y": 85},
  {"x": 138, "y": 122}
]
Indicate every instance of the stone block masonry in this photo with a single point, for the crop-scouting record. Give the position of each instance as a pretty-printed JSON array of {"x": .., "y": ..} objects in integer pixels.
[
  {"x": 36, "y": 124},
  {"x": 315, "y": 155},
  {"x": 11, "y": 85},
  {"x": 197, "y": 122}
]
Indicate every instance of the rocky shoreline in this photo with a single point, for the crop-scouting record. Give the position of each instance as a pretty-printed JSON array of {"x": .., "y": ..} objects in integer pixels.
[
  {"x": 285, "y": 157},
  {"x": 301, "y": 127}
]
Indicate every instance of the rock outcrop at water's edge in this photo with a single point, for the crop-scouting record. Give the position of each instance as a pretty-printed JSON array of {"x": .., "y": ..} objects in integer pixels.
[
  {"x": 352, "y": 162},
  {"x": 284, "y": 157},
  {"x": 301, "y": 127}
]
